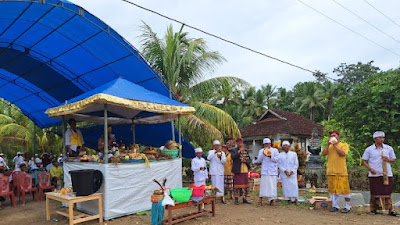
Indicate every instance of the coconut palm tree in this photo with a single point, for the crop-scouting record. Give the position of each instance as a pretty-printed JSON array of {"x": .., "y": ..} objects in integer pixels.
[
  {"x": 269, "y": 93},
  {"x": 255, "y": 103},
  {"x": 311, "y": 97},
  {"x": 17, "y": 132},
  {"x": 182, "y": 63}
]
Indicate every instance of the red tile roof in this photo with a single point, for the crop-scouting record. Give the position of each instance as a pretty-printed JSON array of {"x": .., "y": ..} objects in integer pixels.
[{"x": 281, "y": 122}]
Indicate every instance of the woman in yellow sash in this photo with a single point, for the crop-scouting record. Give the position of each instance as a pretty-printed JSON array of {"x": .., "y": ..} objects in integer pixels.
[{"x": 73, "y": 139}]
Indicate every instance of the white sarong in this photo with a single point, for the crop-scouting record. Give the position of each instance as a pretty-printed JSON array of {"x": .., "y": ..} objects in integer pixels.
[
  {"x": 218, "y": 181},
  {"x": 290, "y": 188},
  {"x": 268, "y": 187}
]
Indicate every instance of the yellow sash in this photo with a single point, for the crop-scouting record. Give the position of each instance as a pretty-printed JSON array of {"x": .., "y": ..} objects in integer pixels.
[{"x": 75, "y": 139}]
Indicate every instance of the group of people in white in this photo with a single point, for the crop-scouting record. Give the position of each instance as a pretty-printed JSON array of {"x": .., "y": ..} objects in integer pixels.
[{"x": 274, "y": 165}]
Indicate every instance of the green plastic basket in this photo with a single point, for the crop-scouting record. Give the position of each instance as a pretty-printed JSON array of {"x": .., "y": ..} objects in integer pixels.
[
  {"x": 173, "y": 152},
  {"x": 181, "y": 194}
]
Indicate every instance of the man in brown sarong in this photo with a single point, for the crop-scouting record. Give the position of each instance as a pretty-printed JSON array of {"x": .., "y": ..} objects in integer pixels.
[
  {"x": 240, "y": 169},
  {"x": 373, "y": 159}
]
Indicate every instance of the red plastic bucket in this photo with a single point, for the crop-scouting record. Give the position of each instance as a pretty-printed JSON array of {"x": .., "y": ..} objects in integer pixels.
[{"x": 197, "y": 191}]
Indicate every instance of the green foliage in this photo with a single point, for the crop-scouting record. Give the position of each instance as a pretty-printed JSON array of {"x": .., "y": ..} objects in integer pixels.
[
  {"x": 373, "y": 105},
  {"x": 309, "y": 98},
  {"x": 354, "y": 73},
  {"x": 182, "y": 63}
]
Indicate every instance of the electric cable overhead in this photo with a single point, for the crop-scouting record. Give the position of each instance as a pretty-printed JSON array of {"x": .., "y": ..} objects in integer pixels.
[
  {"x": 383, "y": 14},
  {"x": 220, "y": 38},
  {"x": 366, "y": 21},
  {"x": 353, "y": 31}
]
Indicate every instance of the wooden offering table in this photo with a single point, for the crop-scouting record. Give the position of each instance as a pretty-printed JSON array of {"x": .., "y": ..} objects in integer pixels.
[
  {"x": 80, "y": 217},
  {"x": 200, "y": 212}
]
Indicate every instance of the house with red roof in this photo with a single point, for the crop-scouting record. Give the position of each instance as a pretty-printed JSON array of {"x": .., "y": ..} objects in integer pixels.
[{"x": 279, "y": 126}]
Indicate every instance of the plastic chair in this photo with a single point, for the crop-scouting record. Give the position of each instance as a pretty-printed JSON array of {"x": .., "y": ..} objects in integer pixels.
[
  {"x": 5, "y": 189},
  {"x": 44, "y": 183},
  {"x": 25, "y": 183},
  {"x": 15, "y": 179}
]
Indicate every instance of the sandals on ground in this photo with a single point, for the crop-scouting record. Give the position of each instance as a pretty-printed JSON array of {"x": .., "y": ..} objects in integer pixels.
[{"x": 393, "y": 213}]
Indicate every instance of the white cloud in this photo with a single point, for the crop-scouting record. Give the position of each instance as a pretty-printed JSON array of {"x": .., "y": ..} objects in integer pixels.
[{"x": 284, "y": 29}]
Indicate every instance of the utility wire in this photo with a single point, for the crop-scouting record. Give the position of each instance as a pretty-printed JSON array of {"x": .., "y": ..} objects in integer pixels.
[
  {"x": 218, "y": 37},
  {"x": 353, "y": 31},
  {"x": 383, "y": 14},
  {"x": 366, "y": 21}
]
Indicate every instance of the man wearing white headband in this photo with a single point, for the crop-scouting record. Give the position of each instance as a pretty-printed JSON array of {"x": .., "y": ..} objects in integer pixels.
[
  {"x": 18, "y": 160},
  {"x": 217, "y": 160},
  {"x": 288, "y": 164},
  {"x": 199, "y": 168},
  {"x": 269, "y": 158},
  {"x": 375, "y": 158}
]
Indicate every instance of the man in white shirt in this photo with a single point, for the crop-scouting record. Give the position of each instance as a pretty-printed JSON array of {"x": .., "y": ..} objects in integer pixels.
[
  {"x": 73, "y": 139},
  {"x": 217, "y": 160},
  {"x": 18, "y": 160},
  {"x": 3, "y": 164},
  {"x": 199, "y": 168},
  {"x": 288, "y": 164},
  {"x": 373, "y": 159},
  {"x": 269, "y": 158}
]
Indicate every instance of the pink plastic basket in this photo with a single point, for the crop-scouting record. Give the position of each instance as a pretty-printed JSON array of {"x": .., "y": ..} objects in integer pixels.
[{"x": 197, "y": 191}]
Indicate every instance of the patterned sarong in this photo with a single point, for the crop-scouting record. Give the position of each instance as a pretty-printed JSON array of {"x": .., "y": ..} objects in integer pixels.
[{"x": 338, "y": 185}]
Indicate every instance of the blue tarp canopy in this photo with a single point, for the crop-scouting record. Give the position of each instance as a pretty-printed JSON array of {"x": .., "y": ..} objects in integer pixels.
[
  {"x": 128, "y": 103},
  {"x": 52, "y": 51}
]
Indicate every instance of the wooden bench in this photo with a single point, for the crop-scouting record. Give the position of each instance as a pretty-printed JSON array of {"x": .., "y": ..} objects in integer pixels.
[
  {"x": 80, "y": 217},
  {"x": 200, "y": 212}
]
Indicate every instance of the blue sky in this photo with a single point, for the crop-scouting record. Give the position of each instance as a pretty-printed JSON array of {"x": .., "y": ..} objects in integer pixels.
[{"x": 285, "y": 29}]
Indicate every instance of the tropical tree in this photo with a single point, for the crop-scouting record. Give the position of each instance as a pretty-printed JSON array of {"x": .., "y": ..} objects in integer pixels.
[
  {"x": 310, "y": 97},
  {"x": 19, "y": 133},
  {"x": 255, "y": 103},
  {"x": 182, "y": 63},
  {"x": 269, "y": 92},
  {"x": 16, "y": 130},
  {"x": 352, "y": 74}
]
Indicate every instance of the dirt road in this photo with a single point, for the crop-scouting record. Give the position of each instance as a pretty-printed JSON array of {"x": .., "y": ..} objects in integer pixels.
[{"x": 33, "y": 213}]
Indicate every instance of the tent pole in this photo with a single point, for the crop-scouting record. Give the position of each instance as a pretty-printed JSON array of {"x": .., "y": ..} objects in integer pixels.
[
  {"x": 64, "y": 151},
  {"x": 133, "y": 133},
  {"x": 105, "y": 149},
  {"x": 180, "y": 135},
  {"x": 172, "y": 122},
  {"x": 34, "y": 139}
]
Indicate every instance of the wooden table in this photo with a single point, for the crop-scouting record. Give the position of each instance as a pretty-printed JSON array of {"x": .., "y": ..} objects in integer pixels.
[
  {"x": 80, "y": 217},
  {"x": 172, "y": 220}
]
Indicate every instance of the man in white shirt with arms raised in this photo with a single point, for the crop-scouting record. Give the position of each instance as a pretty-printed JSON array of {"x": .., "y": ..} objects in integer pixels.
[
  {"x": 217, "y": 160},
  {"x": 269, "y": 158},
  {"x": 373, "y": 158},
  {"x": 288, "y": 164}
]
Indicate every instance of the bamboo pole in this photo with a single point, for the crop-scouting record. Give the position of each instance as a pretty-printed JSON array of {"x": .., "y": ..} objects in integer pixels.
[{"x": 385, "y": 175}]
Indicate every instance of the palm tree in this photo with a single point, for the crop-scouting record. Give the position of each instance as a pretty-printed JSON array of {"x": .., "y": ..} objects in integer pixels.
[
  {"x": 269, "y": 93},
  {"x": 331, "y": 92},
  {"x": 182, "y": 62},
  {"x": 255, "y": 103},
  {"x": 311, "y": 98},
  {"x": 17, "y": 132}
]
